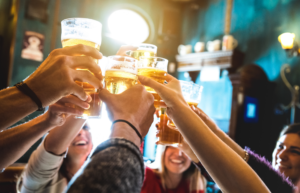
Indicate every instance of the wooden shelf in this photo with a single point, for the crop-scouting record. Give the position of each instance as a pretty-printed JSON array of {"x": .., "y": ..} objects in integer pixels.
[{"x": 196, "y": 61}]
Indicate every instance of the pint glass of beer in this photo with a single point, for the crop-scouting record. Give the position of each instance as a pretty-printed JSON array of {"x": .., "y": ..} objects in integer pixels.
[
  {"x": 147, "y": 50},
  {"x": 167, "y": 133},
  {"x": 88, "y": 32},
  {"x": 195, "y": 96},
  {"x": 155, "y": 68},
  {"x": 120, "y": 73}
]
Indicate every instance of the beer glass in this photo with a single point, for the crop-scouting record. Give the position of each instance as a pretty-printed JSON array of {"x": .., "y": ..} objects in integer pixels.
[
  {"x": 120, "y": 73},
  {"x": 195, "y": 96},
  {"x": 156, "y": 69},
  {"x": 88, "y": 32},
  {"x": 167, "y": 133},
  {"x": 147, "y": 50}
]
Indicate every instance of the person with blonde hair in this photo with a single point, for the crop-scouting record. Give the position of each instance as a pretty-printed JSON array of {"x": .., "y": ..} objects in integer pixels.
[{"x": 174, "y": 171}]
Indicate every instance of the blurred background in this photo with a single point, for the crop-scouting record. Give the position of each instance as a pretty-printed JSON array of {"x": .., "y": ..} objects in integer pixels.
[{"x": 248, "y": 91}]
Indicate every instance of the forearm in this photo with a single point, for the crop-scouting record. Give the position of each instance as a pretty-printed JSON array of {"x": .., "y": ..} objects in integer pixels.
[
  {"x": 232, "y": 144},
  {"x": 215, "y": 154},
  {"x": 116, "y": 166},
  {"x": 42, "y": 168},
  {"x": 14, "y": 106},
  {"x": 16, "y": 141},
  {"x": 59, "y": 139},
  {"x": 123, "y": 130}
]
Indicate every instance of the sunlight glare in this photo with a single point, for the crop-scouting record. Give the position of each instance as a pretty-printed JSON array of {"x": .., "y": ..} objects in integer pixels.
[{"x": 128, "y": 26}]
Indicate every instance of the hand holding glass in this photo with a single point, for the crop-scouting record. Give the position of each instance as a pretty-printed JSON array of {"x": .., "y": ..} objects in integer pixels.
[
  {"x": 120, "y": 74},
  {"x": 88, "y": 32}
]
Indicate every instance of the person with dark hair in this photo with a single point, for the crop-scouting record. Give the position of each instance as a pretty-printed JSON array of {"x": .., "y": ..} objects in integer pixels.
[
  {"x": 60, "y": 155},
  {"x": 273, "y": 179},
  {"x": 286, "y": 155}
]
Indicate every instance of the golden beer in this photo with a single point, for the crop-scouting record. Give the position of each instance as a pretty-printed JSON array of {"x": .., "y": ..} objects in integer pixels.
[
  {"x": 95, "y": 105},
  {"x": 73, "y": 42},
  {"x": 166, "y": 134},
  {"x": 117, "y": 81},
  {"x": 138, "y": 53},
  {"x": 157, "y": 75},
  {"x": 87, "y": 32},
  {"x": 192, "y": 104}
]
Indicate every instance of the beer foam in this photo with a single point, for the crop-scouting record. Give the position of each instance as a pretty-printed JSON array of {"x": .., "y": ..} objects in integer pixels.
[
  {"x": 144, "y": 47},
  {"x": 147, "y": 49},
  {"x": 81, "y": 28},
  {"x": 124, "y": 66},
  {"x": 152, "y": 68},
  {"x": 74, "y": 36},
  {"x": 122, "y": 70}
]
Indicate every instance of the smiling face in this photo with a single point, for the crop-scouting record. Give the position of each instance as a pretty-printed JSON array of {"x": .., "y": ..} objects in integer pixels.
[
  {"x": 176, "y": 161},
  {"x": 82, "y": 145},
  {"x": 286, "y": 156}
]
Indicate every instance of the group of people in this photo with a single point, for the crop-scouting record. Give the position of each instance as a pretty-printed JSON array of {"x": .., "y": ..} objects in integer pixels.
[{"x": 62, "y": 162}]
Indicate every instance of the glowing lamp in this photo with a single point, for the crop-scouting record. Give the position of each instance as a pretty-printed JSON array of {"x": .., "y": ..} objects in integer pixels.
[{"x": 287, "y": 40}]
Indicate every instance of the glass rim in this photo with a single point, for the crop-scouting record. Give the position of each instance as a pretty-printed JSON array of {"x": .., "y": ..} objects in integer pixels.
[
  {"x": 150, "y": 57},
  {"x": 143, "y": 44},
  {"x": 198, "y": 85},
  {"x": 81, "y": 18},
  {"x": 119, "y": 56},
  {"x": 185, "y": 81}
]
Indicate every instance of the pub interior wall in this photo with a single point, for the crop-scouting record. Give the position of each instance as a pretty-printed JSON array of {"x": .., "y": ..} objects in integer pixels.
[{"x": 256, "y": 24}]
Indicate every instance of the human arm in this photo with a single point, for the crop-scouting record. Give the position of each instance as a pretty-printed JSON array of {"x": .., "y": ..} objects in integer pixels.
[
  {"x": 59, "y": 138},
  {"x": 218, "y": 132},
  {"x": 45, "y": 162},
  {"x": 16, "y": 141},
  {"x": 273, "y": 179},
  {"x": 226, "y": 167},
  {"x": 117, "y": 164},
  {"x": 54, "y": 79}
]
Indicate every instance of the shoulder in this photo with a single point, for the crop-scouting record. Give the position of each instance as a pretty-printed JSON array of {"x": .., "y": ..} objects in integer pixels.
[
  {"x": 151, "y": 181},
  {"x": 150, "y": 173}
]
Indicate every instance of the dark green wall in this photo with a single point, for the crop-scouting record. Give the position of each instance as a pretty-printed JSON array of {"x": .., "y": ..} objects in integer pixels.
[
  {"x": 23, "y": 67},
  {"x": 256, "y": 24}
]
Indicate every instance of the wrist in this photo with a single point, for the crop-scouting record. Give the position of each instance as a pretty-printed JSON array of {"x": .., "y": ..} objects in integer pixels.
[
  {"x": 123, "y": 130},
  {"x": 128, "y": 118},
  {"x": 180, "y": 105},
  {"x": 38, "y": 91},
  {"x": 46, "y": 120},
  {"x": 30, "y": 104}
]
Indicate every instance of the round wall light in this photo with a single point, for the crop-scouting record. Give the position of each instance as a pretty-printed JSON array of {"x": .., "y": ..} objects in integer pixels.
[{"x": 128, "y": 26}]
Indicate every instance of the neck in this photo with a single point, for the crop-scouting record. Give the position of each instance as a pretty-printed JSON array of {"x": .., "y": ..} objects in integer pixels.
[
  {"x": 73, "y": 165},
  {"x": 173, "y": 180}
]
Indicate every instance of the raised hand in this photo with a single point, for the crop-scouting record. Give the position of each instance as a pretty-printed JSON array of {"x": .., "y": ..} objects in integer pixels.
[
  {"x": 134, "y": 105},
  {"x": 123, "y": 49},
  {"x": 170, "y": 92},
  {"x": 58, "y": 112},
  {"x": 55, "y": 77}
]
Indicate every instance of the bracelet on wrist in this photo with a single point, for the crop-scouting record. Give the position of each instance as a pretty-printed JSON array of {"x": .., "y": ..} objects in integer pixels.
[
  {"x": 133, "y": 127},
  {"x": 23, "y": 87},
  {"x": 246, "y": 157}
]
